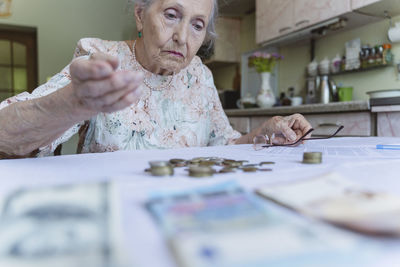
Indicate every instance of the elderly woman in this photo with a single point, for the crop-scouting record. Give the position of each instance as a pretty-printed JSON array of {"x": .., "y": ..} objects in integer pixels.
[{"x": 150, "y": 93}]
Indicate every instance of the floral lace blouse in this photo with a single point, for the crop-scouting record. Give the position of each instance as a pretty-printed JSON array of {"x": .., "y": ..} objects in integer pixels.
[{"x": 181, "y": 110}]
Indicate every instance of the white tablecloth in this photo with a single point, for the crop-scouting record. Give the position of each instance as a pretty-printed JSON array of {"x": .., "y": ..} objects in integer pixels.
[{"x": 356, "y": 159}]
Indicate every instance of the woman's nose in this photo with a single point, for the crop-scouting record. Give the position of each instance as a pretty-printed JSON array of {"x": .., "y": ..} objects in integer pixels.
[{"x": 181, "y": 34}]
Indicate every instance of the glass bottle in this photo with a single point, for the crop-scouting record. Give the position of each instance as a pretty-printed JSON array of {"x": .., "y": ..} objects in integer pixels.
[{"x": 387, "y": 56}]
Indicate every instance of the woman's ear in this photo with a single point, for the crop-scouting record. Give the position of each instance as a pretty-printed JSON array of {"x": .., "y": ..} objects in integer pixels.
[{"x": 139, "y": 15}]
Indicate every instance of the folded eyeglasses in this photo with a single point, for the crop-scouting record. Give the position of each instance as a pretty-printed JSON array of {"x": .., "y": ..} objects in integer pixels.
[{"x": 260, "y": 141}]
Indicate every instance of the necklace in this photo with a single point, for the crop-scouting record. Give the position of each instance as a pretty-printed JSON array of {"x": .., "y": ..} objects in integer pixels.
[{"x": 146, "y": 80}]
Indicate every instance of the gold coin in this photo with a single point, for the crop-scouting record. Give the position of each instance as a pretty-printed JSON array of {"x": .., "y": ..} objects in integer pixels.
[
  {"x": 232, "y": 163},
  {"x": 227, "y": 170},
  {"x": 266, "y": 163},
  {"x": 206, "y": 163},
  {"x": 178, "y": 162},
  {"x": 250, "y": 169}
]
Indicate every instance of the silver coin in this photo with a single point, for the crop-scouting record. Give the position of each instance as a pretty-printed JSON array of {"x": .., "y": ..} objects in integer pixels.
[
  {"x": 159, "y": 163},
  {"x": 312, "y": 157},
  {"x": 201, "y": 171}
]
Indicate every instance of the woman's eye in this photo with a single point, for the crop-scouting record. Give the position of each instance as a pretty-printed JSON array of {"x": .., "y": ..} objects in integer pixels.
[
  {"x": 170, "y": 15},
  {"x": 198, "y": 27}
]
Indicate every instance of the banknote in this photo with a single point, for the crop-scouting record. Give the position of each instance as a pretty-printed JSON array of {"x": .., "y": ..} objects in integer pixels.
[
  {"x": 68, "y": 225},
  {"x": 225, "y": 226},
  {"x": 335, "y": 199}
]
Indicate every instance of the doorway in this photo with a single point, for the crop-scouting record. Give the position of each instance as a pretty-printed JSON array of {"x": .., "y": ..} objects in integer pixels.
[{"x": 18, "y": 60}]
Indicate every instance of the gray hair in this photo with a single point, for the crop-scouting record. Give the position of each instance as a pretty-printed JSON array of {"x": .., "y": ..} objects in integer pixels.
[{"x": 211, "y": 35}]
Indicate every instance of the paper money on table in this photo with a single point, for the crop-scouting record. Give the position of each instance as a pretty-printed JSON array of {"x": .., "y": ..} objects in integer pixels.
[
  {"x": 225, "y": 226},
  {"x": 62, "y": 226},
  {"x": 334, "y": 199}
]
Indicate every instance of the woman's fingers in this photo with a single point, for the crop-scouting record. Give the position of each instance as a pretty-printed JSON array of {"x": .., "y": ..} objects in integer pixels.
[
  {"x": 117, "y": 81},
  {"x": 113, "y": 61},
  {"x": 99, "y": 66},
  {"x": 286, "y": 129},
  {"x": 122, "y": 103},
  {"x": 110, "y": 99}
]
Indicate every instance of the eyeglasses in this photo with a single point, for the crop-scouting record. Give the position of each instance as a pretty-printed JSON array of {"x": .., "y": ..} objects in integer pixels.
[{"x": 261, "y": 141}]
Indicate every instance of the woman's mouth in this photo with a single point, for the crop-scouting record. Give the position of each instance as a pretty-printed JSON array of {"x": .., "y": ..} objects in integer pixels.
[{"x": 174, "y": 53}]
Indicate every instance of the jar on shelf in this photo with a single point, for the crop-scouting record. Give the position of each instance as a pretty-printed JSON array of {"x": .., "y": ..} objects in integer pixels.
[
  {"x": 378, "y": 55},
  {"x": 387, "y": 56},
  {"x": 371, "y": 57}
]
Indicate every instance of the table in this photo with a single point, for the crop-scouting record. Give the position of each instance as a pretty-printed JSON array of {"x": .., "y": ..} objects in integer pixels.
[{"x": 356, "y": 159}]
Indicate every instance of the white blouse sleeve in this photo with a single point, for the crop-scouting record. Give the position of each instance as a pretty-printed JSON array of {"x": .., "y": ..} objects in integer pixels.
[{"x": 56, "y": 82}]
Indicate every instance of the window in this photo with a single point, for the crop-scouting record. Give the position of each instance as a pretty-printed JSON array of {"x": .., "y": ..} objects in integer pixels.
[{"x": 18, "y": 60}]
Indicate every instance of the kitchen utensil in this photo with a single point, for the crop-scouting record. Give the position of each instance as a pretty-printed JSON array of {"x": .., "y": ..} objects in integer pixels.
[
  {"x": 384, "y": 93},
  {"x": 345, "y": 93},
  {"x": 324, "y": 90}
]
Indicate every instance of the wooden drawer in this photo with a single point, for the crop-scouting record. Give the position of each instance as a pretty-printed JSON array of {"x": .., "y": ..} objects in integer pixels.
[
  {"x": 240, "y": 124},
  {"x": 355, "y": 123}
]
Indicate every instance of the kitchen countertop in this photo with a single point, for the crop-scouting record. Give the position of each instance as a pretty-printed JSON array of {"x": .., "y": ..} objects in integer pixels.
[{"x": 351, "y": 106}]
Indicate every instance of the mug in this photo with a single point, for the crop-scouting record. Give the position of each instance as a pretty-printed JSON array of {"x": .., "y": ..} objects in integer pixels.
[
  {"x": 296, "y": 100},
  {"x": 245, "y": 104},
  {"x": 345, "y": 93}
]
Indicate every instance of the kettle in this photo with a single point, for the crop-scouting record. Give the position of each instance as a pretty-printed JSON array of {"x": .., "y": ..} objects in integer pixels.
[{"x": 328, "y": 90}]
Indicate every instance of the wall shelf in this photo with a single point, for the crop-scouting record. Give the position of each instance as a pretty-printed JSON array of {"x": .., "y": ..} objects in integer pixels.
[
  {"x": 358, "y": 70},
  {"x": 361, "y": 70}
]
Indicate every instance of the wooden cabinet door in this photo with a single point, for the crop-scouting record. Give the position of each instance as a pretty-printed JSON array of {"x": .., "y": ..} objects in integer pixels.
[
  {"x": 355, "y": 123},
  {"x": 356, "y": 4},
  {"x": 273, "y": 18},
  {"x": 227, "y": 45},
  {"x": 309, "y": 12},
  {"x": 389, "y": 124},
  {"x": 240, "y": 124}
]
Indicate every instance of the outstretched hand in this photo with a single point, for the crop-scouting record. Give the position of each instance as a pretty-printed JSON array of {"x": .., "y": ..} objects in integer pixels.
[{"x": 100, "y": 87}]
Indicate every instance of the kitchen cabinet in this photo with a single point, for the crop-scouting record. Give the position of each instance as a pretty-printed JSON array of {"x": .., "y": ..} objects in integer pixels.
[
  {"x": 227, "y": 45},
  {"x": 309, "y": 12},
  {"x": 356, "y": 4},
  {"x": 278, "y": 18},
  {"x": 388, "y": 124},
  {"x": 388, "y": 120},
  {"x": 355, "y": 123},
  {"x": 240, "y": 124},
  {"x": 273, "y": 18},
  {"x": 355, "y": 116},
  {"x": 377, "y": 7}
]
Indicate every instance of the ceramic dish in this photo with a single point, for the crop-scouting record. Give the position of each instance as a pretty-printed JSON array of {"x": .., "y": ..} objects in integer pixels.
[{"x": 384, "y": 93}]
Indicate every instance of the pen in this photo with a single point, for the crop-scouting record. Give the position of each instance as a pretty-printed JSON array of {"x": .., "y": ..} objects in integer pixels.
[{"x": 391, "y": 147}]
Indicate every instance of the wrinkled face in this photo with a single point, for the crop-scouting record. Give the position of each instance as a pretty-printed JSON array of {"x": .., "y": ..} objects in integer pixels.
[{"x": 173, "y": 31}]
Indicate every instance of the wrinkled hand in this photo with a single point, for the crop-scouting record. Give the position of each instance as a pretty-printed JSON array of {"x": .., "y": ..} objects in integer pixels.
[
  {"x": 286, "y": 129},
  {"x": 98, "y": 87}
]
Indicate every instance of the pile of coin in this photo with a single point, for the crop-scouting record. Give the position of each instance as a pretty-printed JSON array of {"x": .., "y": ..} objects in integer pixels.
[
  {"x": 160, "y": 168},
  {"x": 204, "y": 166},
  {"x": 312, "y": 157}
]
